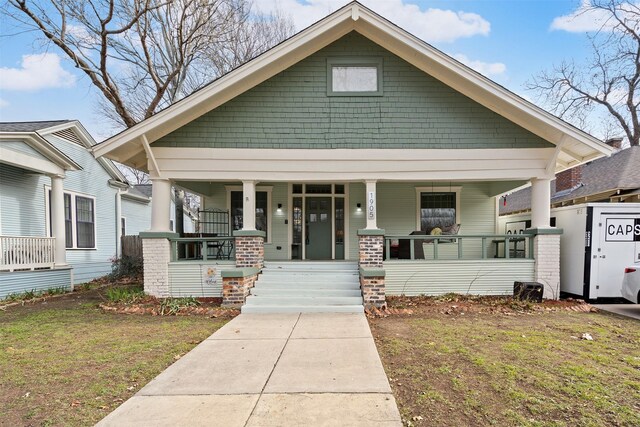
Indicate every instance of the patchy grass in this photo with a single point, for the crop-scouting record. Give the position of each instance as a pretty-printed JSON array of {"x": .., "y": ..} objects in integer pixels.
[
  {"x": 475, "y": 365},
  {"x": 66, "y": 362}
]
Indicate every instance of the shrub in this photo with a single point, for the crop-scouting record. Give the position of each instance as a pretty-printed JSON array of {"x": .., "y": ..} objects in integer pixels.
[
  {"x": 171, "y": 306},
  {"x": 127, "y": 295},
  {"x": 126, "y": 266}
]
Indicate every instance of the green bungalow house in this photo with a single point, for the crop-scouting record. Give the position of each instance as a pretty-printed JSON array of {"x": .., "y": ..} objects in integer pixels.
[{"x": 350, "y": 162}]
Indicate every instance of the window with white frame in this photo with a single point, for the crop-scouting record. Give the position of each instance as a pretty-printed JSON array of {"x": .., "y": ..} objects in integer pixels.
[
  {"x": 263, "y": 209},
  {"x": 79, "y": 220},
  {"x": 354, "y": 76},
  {"x": 438, "y": 207}
]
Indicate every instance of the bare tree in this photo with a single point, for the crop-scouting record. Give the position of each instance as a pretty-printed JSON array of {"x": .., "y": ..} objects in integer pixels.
[
  {"x": 135, "y": 176},
  {"x": 143, "y": 55},
  {"x": 608, "y": 82}
]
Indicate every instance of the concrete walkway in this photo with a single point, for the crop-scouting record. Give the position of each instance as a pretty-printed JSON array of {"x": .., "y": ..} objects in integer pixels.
[
  {"x": 312, "y": 369},
  {"x": 628, "y": 310}
]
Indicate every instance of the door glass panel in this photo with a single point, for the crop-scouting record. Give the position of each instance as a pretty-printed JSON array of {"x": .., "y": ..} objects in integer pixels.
[
  {"x": 297, "y": 188},
  {"x": 339, "y": 218},
  {"x": 339, "y": 189},
  {"x": 296, "y": 245}
]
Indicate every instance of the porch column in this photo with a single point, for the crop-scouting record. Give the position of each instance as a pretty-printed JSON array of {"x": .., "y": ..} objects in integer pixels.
[
  {"x": 248, "y": 205},
  {"x": 249, "y": 244},
  {"x": 156, "y": 244},
  {"x": 160, "y": 204},
  {"x": 372, "y": 220},
  {"x": 546, "y": 240},
  {"x": 57, "y": 220},
  {"x": 540, "y": 203}
]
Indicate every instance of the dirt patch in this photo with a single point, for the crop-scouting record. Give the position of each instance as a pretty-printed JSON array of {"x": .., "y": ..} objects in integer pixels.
[{"x": 490, "y": 361}]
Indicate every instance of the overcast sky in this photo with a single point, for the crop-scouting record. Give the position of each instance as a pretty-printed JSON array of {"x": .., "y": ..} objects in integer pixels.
[{"x": 506, "y": 40}]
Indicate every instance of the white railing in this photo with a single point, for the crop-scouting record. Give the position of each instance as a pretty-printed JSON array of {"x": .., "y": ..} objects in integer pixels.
[{"x": 26, "y": 253}]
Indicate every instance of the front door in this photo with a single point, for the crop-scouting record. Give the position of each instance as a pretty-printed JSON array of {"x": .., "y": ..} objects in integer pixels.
[{"x": 318, "y": 228}]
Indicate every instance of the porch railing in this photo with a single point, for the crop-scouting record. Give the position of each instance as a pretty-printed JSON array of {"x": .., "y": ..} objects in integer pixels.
[
  {"x": 201, "y": 248},
  {"x": 26, "y": 253},
  {"x": 458, "y": 246}
]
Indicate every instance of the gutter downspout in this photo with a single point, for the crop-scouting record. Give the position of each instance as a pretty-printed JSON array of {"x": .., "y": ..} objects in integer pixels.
[{"x": 118, "y": 223}]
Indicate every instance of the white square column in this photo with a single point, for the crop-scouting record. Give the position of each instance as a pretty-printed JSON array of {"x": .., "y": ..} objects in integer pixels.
[
  {"x": 160, "y": 205},
  {"x": 371, "y": 208},
  {"x": 248, "y": 205},
  {"x": 546, "y": 240},
  {"x": 57, "y": 220}
]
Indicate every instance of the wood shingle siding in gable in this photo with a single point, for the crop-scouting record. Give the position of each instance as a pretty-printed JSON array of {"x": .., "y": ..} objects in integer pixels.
[{"x": 292, "y": 110}]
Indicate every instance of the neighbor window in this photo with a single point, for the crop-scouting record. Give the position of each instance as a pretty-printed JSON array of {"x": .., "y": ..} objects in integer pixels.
[
  {"x": 85, "y": 222},
  {"x": 79, "y": 220},
  {"x": 438, "y": 207},
  {"x": 354, "y": 76}
]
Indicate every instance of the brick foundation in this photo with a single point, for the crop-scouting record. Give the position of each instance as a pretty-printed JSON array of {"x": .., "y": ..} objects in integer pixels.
[
  {"x": 373, "y": 291},
  {"x": 156, "y": 254},
  {"x": 249, "y": 251},
  {"x": 236, "y": 289},
  {"x": 546, "y": 252},
  {"x": 371, "y": 251}
]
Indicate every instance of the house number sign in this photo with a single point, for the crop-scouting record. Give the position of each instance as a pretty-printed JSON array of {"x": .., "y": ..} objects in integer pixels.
[{"x": 371, "y": 205}]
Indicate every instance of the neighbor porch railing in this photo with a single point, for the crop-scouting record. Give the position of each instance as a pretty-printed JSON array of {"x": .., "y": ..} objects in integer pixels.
[
  {"x": 26, "y": 253},
  {"x": 458, "y": 246},
  {"x": 201, "y": 248}
]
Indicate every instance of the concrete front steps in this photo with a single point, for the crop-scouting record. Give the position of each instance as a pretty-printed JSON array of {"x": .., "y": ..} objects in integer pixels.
[{"x": 306, "y": 287}]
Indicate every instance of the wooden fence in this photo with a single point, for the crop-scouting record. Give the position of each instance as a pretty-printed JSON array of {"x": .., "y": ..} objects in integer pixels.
[{"x": 132, "y": 246}]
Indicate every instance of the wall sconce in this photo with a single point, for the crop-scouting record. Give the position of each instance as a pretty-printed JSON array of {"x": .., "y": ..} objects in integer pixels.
[
  {"x": 279, "y": 207},
  {"x": 359, "y": 207}
]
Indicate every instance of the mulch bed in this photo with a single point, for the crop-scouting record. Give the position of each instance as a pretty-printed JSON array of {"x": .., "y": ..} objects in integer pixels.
[
  {"x": 208, "y": 307},
  {"x": 461, "y": 304}
]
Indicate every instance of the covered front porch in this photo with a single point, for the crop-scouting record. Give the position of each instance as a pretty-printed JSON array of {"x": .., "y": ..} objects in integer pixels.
[{"x": 409, "y": 237}]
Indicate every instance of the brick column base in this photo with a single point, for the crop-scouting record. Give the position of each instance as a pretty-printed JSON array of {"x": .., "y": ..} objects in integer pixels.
[
  {"x": 156, "y": 254},
  {"x": 546, "y": 252},
  {"x": 236, "y": 289},
  {"x": 249, "y": 249},
  {"x": 371, "y": 251},
  {"x": 373, "y": 291}
]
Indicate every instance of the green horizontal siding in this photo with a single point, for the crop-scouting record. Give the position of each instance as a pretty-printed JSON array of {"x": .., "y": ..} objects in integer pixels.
[
  {"x": 17, "y": 282},
  {"x": 479, "y": 277},
  {"x": 186, "y": 279},
  {"x": 292, "y": 110}
]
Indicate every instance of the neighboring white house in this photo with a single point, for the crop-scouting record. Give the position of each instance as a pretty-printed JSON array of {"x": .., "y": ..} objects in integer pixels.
[{"x": 62, "y": 211}]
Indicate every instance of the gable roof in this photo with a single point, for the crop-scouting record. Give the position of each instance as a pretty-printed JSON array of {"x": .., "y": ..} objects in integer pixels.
[
  {"x": 574, "y": 146},
  {"x": 601, "y": 179}
]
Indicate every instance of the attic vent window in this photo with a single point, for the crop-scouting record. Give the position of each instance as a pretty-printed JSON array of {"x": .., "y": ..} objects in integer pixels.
[
  {"x": 69, "y": 135},
  {"x": 354, "y": 77}
]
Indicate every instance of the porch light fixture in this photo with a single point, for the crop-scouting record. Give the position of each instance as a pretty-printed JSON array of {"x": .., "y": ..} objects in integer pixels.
[
  {"x": 279, "y": 207},
  {"x": 359, "y": 207}
]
